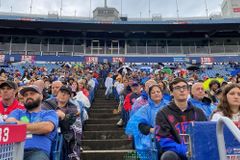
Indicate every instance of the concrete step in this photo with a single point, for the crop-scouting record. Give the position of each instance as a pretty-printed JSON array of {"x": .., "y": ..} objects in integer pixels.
[
  {"x": 103, "y": 115},
  {"x": 102, "y": 139},
  {"x": 110, "y": 144},
  {"x": 106, "y": 154},
  {"x": 104, "y": 107},
  {"x": 101, "y": 110},
  {"x": 104, "y": 135},
  {"x": 105, "y": 104},
  {"x": 101, "y": 127},
  {"x": 101, "y": 100},
  {"x": 102, "y": 121}
]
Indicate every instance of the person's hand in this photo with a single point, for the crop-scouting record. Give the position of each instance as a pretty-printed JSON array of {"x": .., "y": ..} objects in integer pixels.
[
  {"x": 152, "y": 130},
  {"x": 61, "y": 114}
]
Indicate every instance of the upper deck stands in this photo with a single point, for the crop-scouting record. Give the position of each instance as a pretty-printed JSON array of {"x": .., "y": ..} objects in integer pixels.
[{"x": 72, "y": 19}]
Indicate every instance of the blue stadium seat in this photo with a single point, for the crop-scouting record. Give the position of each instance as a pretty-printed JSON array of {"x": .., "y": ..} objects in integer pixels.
[{"x": 57, "y": 145}]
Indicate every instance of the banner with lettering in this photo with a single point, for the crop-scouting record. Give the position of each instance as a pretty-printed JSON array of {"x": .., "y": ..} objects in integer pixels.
[
  {"x": 118, "y": 59},
  {"x": 30, "y": 59},
  {"x": 12, "y": 133},
  {"x": 206, "y": 60},
  {"x": 91, "y": 59}
]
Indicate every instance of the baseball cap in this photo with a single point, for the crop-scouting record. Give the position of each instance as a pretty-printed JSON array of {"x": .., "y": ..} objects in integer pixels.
[
  {"x": 10, "y": 84},
  {"x": 33, "y": 88},
  {"x": 134, "y": 84},
  {"x": 67, "y": 89}
]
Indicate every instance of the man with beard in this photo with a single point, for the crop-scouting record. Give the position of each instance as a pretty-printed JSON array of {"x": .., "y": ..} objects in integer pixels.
[
  {"x": 173, "y": 119},
  {"x": 40, "y": 123}
]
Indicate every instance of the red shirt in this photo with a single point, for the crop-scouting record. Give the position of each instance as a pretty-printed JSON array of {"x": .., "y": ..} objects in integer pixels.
[
  {"x": 129, "y": 101},
  {"x": 85, "y": 92},
  {"x": 9, "y": 109}
]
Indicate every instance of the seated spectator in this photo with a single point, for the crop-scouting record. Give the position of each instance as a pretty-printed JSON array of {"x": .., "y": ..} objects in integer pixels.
[
  {"x": 82, "y": 86},
  {"x": 2, "y": 79},
  {"x": 165, "y": 91},
  {"x": 130, "y": 99},
  {"x": 69, "y": 121},
  {"x": 90, "y": 81},
  {"x": 41, "y": 124},
  {"x": 143, "y": 99},
  {"x": 238, "y": 79},
  {"x": 229, "y": 105},
  {"x": 90, "y": 86},
  {"x": 74, "y": 86},
  {"x": 173, "y": 119},
  {"x": 141, "y": 124},
  {"x": 83, "y": 99},
  {"x": 200, "y": 100},
  {"x": 9, "y": 102},
  {"x": 213, "y": 86},
  {"x": 40, "y": 84},
  {"x": 218, "y": 95},
  {"x": 56, "y": 85}
]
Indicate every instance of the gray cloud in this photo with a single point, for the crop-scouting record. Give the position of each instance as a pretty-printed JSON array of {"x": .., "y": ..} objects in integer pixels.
[{"x": 132, "y": 8}]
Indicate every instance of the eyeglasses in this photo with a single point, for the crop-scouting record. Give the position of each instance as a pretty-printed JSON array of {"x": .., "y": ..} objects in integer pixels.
[{"x": 178, "y": 88}]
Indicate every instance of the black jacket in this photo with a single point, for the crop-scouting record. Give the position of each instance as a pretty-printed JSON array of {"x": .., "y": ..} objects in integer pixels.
[{"x": 171, "y": 121}]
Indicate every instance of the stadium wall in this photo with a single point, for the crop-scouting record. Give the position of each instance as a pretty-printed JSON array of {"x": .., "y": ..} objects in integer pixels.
[{"x": 124, "y": 59}]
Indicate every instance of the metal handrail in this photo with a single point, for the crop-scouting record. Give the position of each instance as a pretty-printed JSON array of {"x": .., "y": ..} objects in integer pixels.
[{"x": 220, "y": 137}]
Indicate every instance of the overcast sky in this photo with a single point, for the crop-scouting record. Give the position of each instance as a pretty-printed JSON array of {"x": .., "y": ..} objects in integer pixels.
[{"x": 131, "y": 8}]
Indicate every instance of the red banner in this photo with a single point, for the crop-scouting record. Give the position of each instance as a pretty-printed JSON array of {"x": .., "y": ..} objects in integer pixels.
[
  {"x": 118, "y": 59},
  {"x": 29, "y": 59},
  {"x": 12, "y": 133},
  {"x": 236, "y": 9},
  {"x": 91, "y": 60},
  {"x": 206, "y": 60}
]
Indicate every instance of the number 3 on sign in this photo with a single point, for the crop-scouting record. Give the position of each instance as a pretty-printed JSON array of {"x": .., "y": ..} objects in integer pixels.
[{"x": 4, "y": 134}]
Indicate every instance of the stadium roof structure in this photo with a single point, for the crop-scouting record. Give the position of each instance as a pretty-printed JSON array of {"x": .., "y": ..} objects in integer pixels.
[
  {"x": 29, "y": 25},
  {"x": 53, "y": 38}
]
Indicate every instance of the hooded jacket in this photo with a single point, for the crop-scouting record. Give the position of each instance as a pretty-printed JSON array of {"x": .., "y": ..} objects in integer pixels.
[
  {"x": 171, "y": 122},
  {"x": 145, "y": 115}
]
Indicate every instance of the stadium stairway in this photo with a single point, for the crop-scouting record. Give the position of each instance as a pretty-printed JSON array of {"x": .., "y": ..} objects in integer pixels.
[{"x": 102, "y": 139}]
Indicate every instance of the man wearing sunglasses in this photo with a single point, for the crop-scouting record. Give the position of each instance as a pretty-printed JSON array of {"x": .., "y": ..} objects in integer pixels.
[{"x": 173, "y": 120}]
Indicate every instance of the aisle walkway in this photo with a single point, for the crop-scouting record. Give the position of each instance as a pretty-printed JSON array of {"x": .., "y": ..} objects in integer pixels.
[{"x": 102, "y": 139}]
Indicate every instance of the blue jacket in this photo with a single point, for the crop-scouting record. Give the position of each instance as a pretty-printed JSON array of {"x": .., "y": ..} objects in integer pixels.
[
  {"x": 206, "y": 108},
  {"x": 146, "y": 115}
]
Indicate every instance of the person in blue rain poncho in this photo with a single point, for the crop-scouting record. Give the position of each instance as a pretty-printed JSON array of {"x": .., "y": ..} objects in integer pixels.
[
  {"x": 141, "y": 124},
  {"x": 143, "y": 99},
  {"x": 200, "y": 100}
]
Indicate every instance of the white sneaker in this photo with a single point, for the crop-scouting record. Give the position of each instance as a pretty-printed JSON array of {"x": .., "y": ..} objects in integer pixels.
[{"x": 120, "y": 123}]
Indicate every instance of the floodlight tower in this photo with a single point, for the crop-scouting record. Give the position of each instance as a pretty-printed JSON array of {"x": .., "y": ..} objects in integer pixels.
[
  {"x": 61, "y": 8},
  {"x": 206, "y": 7},
  {"x": 31, "y": 2},
  {"x": 177, "y": 10},
  {"x": 105, "y": 3},
  {"x": 149, "y": 8}
]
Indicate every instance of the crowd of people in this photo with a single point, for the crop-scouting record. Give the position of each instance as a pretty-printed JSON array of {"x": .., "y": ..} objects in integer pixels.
[
  {"x": 151, "y": 104},
  {"x": 162, "y": 105}
]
